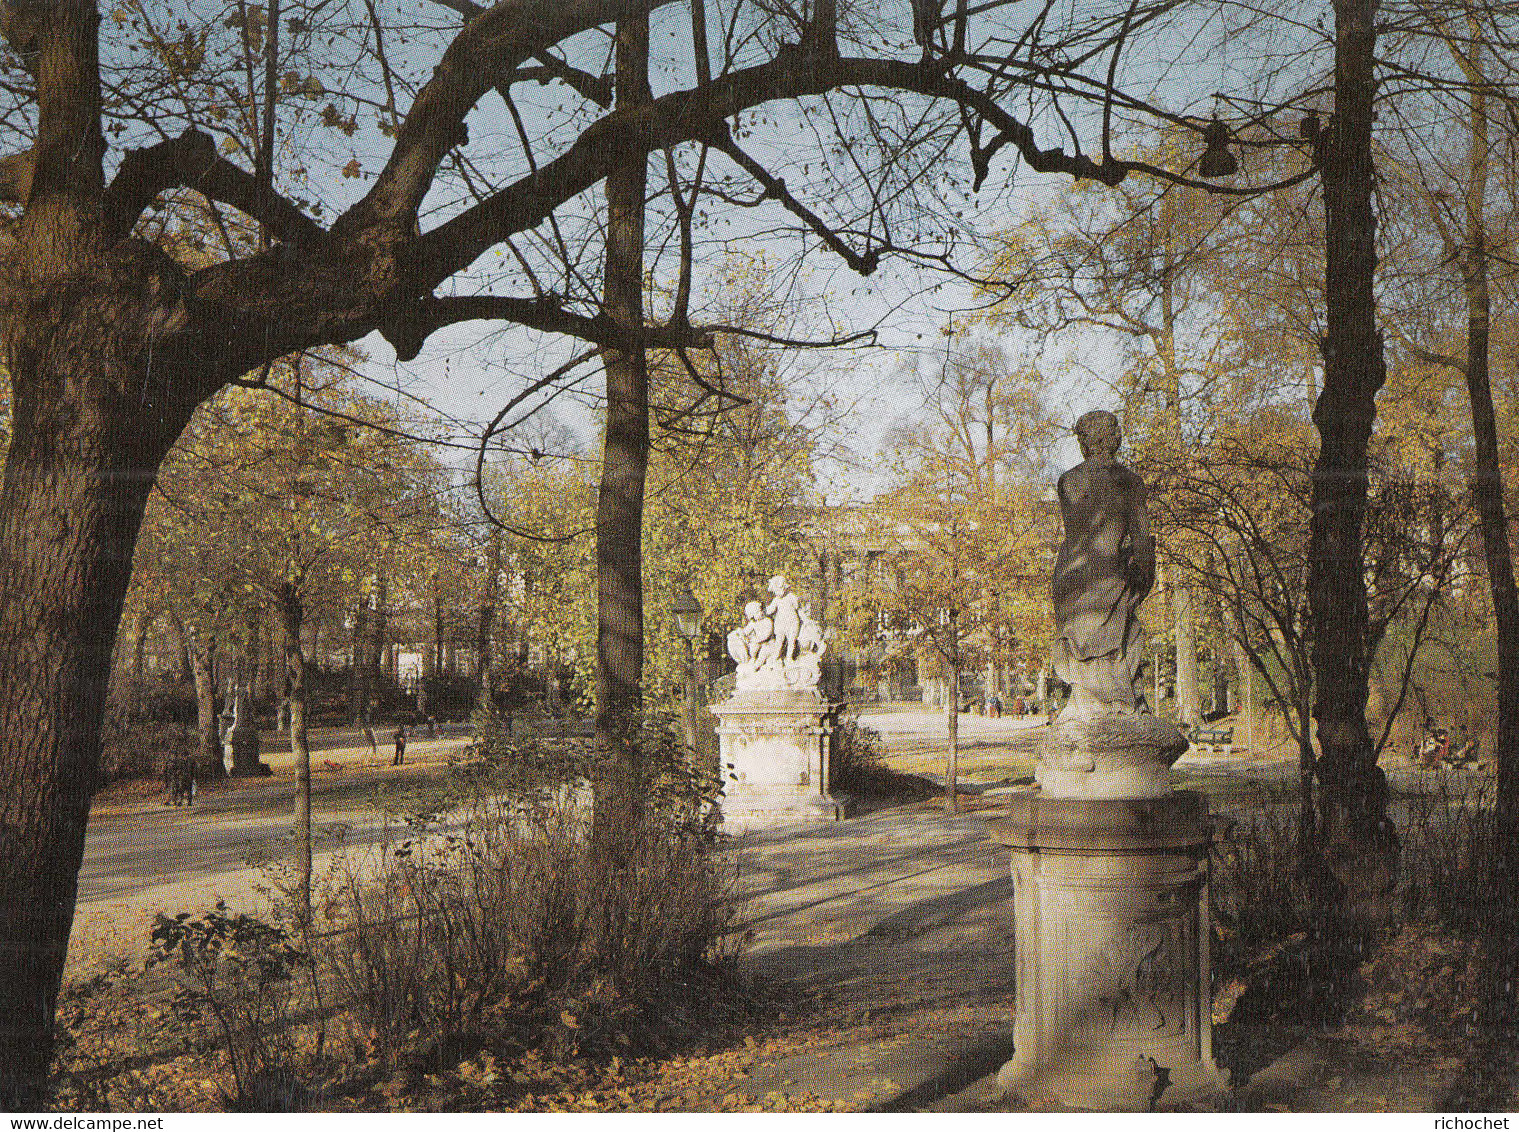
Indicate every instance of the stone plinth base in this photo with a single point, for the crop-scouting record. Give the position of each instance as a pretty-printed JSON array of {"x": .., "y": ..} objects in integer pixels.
[
  {"x": 1111, "y": 899},
  {"x": 774, "y": 752}
]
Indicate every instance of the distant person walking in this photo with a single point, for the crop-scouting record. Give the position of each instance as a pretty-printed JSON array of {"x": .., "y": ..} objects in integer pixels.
[
  {"x": 179, "y": 780},
  {"x": 400, "y": 738},
  {"x": 374, "y": 747}
]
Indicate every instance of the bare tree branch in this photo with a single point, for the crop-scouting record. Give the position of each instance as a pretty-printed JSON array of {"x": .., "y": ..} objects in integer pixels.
[
  {"x": 493, "y": 43},
  {"x": 191, "y": 161},
  {"x": 775, "y": 187}
]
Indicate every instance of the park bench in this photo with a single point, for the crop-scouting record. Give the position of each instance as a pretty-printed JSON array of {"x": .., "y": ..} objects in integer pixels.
[{"x": 1214, "y": 740}]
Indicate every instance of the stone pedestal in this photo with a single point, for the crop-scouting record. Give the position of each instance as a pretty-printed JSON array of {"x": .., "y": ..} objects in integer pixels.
[
  {"x": 1113, "y": 1003},
  {"x": 774, "y": 756}
]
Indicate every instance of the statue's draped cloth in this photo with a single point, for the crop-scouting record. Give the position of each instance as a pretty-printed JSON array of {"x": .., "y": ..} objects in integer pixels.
[{"x": 1098, "y": 586}]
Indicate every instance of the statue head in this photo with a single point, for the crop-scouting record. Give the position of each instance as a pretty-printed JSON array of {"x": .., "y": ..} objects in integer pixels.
[
  {"x": 753, "y": 610},
  {"x": 1098, "y": 431},
  {"x": 777, "y": 585}
]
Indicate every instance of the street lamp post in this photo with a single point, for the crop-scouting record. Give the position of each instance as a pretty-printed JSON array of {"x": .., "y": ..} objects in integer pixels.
[{"x": 688, "y": 611}]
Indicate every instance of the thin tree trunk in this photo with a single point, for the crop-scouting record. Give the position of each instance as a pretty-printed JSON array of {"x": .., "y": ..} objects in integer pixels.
[
  {"x": 185, "y": 662},
  {"x": 1182, "y": 609},
  {"x": 625, "y": 457},
  {"x": 1353, "y": 818},
  {"x": 358, "y": 672},
  {"x": 1188, "y": 708},
  {"x": 1487, "y": 478},
  {"x": 439, "y": 668},
  {"x": 210, "y": 748},
  {"x": 292, "y": 613},
  {"x": 379, "y": 653},
  {"x": 485, "y": 622},
  {"x": 139, "y": 649},
  {"x": 261, "y": 646},
  {"x": 952, "y": 756}
]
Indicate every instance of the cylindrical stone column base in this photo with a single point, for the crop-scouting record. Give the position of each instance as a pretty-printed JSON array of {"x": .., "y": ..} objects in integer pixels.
[{"x": 1113, "y": 1003}]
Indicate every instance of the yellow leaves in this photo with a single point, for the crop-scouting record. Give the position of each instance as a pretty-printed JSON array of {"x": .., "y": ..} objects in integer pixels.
[
  {"x": 353, "y": 168},
  {"x": 307, "y": 86},
  {"x": 568, "y": 1020}
]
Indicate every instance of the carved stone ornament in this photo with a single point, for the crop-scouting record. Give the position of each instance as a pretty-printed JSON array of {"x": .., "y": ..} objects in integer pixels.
[{"x": 779, "y": 647}]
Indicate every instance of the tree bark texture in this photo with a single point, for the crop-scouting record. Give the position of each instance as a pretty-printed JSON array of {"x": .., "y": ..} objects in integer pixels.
[
  {"x": 1354, "y": 828},
  {"x": 625, "y": 460},
  {"x": 92, "y": 421}
]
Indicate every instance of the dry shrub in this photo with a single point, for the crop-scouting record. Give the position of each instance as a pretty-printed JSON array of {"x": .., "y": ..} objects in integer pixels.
[
  {"x": 141, "y": 748},
  {"x": 1262, "y": 912},
  {"x": 502, "y": 919},
  {"x": 1458, "y": 871},
  {"x": 1256, "y": 896},
  {"x": 1447, "y": 962},
  {"x": 236, "y": 976},
  {"x": 857, "y": 764}
]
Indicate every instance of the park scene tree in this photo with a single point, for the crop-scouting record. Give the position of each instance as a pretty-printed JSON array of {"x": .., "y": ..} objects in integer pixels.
[{"x": 500, "y": 414}]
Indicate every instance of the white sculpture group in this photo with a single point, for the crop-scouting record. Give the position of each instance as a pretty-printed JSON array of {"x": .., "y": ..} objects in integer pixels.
[{"x": 779, "y": 647}]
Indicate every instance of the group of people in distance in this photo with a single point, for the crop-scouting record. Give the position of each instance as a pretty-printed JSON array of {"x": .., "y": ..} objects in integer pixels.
[
  {"x": 1437, "y": 747},
  {"x": 398, "y": 737}
]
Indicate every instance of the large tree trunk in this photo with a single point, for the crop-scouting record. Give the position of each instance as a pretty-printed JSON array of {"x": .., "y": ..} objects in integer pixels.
[
  {"x": 1355, "y": 832},
  {"x": 92, "y": 421},
  {"x": 625, "y": 460},
  {"x": 1487, "y": 487}
]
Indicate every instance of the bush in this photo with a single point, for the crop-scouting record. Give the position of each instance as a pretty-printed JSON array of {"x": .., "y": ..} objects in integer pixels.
[
  {"x": 236, "y": 977},
  {"x": 141, "y": 748},
  {"x": 1448, "y": 959},
  {"x": 504, "y": 918},
  {"x": 1457, "y": 874},
  {"x": 857, "y": 763}
]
